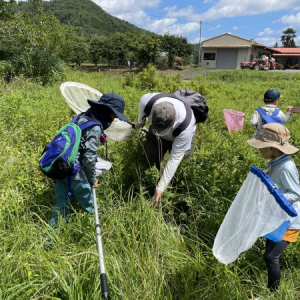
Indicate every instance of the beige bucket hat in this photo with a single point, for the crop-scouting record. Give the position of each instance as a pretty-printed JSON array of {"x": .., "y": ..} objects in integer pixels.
[{"x": 273, "y": 135}]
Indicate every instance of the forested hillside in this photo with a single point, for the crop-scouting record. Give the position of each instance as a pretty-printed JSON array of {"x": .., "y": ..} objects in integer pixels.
[
  {"x": 37, "y": 38},
  {"x": 85, "y": 14}
]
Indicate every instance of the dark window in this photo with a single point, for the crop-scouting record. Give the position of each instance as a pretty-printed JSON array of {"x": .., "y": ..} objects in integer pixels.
[{"x": 209, "y": 56}]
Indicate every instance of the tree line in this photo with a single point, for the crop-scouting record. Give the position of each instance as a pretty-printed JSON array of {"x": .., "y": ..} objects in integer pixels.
[{"x": 35, "y": 44}]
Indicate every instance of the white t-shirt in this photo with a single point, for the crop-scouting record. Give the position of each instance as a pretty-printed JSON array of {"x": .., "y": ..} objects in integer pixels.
[
  {"x": 181, "y": 143},
  {"x": 269, "y": 109}
]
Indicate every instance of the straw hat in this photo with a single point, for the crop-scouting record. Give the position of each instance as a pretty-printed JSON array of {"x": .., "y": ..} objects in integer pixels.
[{"x": 273, "y": 135}]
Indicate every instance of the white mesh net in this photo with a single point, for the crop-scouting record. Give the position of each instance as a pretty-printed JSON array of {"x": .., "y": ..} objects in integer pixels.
[
  {"x": 253, "y": 213},
  {"x": 77, "y": 94}
]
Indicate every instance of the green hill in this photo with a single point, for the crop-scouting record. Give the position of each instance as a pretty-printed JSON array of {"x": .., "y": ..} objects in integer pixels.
[{"x": 84, "y": 14}]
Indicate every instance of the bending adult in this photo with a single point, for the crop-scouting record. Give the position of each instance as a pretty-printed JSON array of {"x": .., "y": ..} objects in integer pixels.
[{"x": 166, "y": 115}]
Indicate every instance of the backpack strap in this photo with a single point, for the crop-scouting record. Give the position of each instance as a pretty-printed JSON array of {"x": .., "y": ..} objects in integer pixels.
[
  {"x": 261, "y": 111},
  {"x": 151, "y": 102},
  {"x": 186, "y": 121},
  {"x": 275, "y": 113},
  {"x": 86, "y": 124}
]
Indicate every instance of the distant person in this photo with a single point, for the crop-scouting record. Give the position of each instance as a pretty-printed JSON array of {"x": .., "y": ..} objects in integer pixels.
[
  {"x": 165, "y": 117},
  {"x": 272, "y": 142},
  {"x": 269, "y": 113}
]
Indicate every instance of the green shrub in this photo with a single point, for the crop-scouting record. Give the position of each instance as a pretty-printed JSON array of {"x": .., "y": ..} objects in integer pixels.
[{"x": 39, "y": 65}]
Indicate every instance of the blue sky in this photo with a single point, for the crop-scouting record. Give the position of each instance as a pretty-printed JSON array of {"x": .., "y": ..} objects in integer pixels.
[{"x": 262, "y": 20}]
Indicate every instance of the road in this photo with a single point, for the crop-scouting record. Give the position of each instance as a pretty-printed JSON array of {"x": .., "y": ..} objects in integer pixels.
[{"x": 190, "y": 74}]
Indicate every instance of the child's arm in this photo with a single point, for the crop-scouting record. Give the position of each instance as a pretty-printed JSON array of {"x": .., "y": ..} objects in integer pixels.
[
  {"x": 290, "y": 181},
  {"x": 254, "y": 119},
  {"x": 92, "y": 142},
  {"x": 287, "y": 116}
]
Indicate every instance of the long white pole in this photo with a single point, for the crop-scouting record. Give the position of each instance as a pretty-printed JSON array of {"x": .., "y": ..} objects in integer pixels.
[{"x": 103, "y": 278}]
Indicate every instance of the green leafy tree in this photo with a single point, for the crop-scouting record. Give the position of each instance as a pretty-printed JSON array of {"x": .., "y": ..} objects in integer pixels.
[
  {"x": 5, "y": 9},
  {"x": 95, "y": 49},
  {"x": 115, "y": 49},
  {"x": 37, "y": 39},
  {"x": 175, "y": 46},
  {"x": 288, "y": 38},
  {"x": 76, "y": 49},
  {"x": 148, "y": 49}
]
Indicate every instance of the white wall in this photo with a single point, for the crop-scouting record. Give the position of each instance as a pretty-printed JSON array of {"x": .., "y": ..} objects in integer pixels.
[
  {"x": 209, "y": 64},
  {"x": 243, "y": 55}
]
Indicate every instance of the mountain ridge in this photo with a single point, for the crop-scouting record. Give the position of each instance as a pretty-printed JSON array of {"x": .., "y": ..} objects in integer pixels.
[{"x": 83, "y": 14}]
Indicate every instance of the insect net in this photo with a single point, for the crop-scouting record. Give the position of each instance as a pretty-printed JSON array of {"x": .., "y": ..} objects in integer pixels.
[
  {"x": 234, "y": 119},
  {"x": 76, "y": 95},
  {"x": 258, "y": 209}
]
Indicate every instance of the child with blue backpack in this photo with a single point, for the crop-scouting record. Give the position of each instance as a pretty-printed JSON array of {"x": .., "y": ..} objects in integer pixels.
[
  {"x": 269, "y": 113},
  {"x": 79, "y": 186}
]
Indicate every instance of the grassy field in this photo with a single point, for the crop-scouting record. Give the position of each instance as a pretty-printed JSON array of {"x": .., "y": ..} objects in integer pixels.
[{"x": 149, "y": 254}]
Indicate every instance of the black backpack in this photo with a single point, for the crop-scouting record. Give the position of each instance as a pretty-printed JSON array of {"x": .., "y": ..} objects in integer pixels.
[{"x": 194, "y": 103}]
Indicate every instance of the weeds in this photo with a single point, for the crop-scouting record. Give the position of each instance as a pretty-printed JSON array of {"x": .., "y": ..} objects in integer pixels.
[{"x": 149, "y": 254}]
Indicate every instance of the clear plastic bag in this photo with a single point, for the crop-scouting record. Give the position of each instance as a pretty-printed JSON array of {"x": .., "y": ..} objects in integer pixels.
[
  {"x": 258, "y": 209},
  {"x": 102, "y": 166}
]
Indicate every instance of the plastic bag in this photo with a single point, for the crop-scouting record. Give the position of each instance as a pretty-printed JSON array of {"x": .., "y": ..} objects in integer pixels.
[
  {"x": 258, "y": 209},
  {"x": 102, "y": 166}
]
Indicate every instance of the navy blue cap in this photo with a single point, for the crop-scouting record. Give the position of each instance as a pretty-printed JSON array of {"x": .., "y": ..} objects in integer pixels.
[
  {"x": 114, "y": 101},
  {"x": 271, "y": 95}
]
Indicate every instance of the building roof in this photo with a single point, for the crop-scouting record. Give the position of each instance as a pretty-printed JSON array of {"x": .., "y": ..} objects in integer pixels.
[
  {"x": 251, "y": 43},
  {"x": 287, "y": 51},
  {"x": 215, "y": 37}
]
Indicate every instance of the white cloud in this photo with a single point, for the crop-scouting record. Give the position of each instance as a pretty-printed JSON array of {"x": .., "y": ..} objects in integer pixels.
[
  {"x": 215, "y": 27},
  {"x": 267, "y": 31},
  {"x": 291, "y": 19},
  {"x": 268, "y": 41},
  {"x": 128, "y": 5},
  {"x": 233, "y": 8},
  {"x": 132, "y": 11},
  {"x": 188, "y": 13},
  {"x": 159, "y": 26},
  {"x": 235, "y": 28},
  {"x": 183, "y": 29}
]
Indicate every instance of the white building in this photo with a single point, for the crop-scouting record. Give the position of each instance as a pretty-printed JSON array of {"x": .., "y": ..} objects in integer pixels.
[{"x": 227, "y": 51}]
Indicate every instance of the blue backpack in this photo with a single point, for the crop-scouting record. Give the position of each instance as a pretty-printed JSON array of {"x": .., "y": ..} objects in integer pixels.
[
  {"x": 269, "y": 118},
  {"x": 59, "y": 156}
]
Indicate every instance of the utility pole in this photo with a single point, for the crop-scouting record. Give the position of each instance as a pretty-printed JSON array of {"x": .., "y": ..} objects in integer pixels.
[{"x": 200, "y": 44}]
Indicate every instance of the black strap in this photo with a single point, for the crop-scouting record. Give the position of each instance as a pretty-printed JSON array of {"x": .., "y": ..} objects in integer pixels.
[{"x": 186, "y": 121}]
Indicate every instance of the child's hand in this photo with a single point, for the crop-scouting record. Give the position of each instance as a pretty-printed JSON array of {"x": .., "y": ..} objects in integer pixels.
[
  {"x": 95, "y": 184},
  {"x": 289, "y": 108},
  {"x": 139, "y": 125}
]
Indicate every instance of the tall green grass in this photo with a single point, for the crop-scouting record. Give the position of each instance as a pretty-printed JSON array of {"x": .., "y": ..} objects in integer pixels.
[{"x": 149, "y": 254}]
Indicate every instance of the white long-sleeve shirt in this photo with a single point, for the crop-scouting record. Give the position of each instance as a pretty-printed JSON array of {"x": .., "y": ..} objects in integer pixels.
[
  {"x": 181, "y": 143},
  {"x": 269, "y": 109}
]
